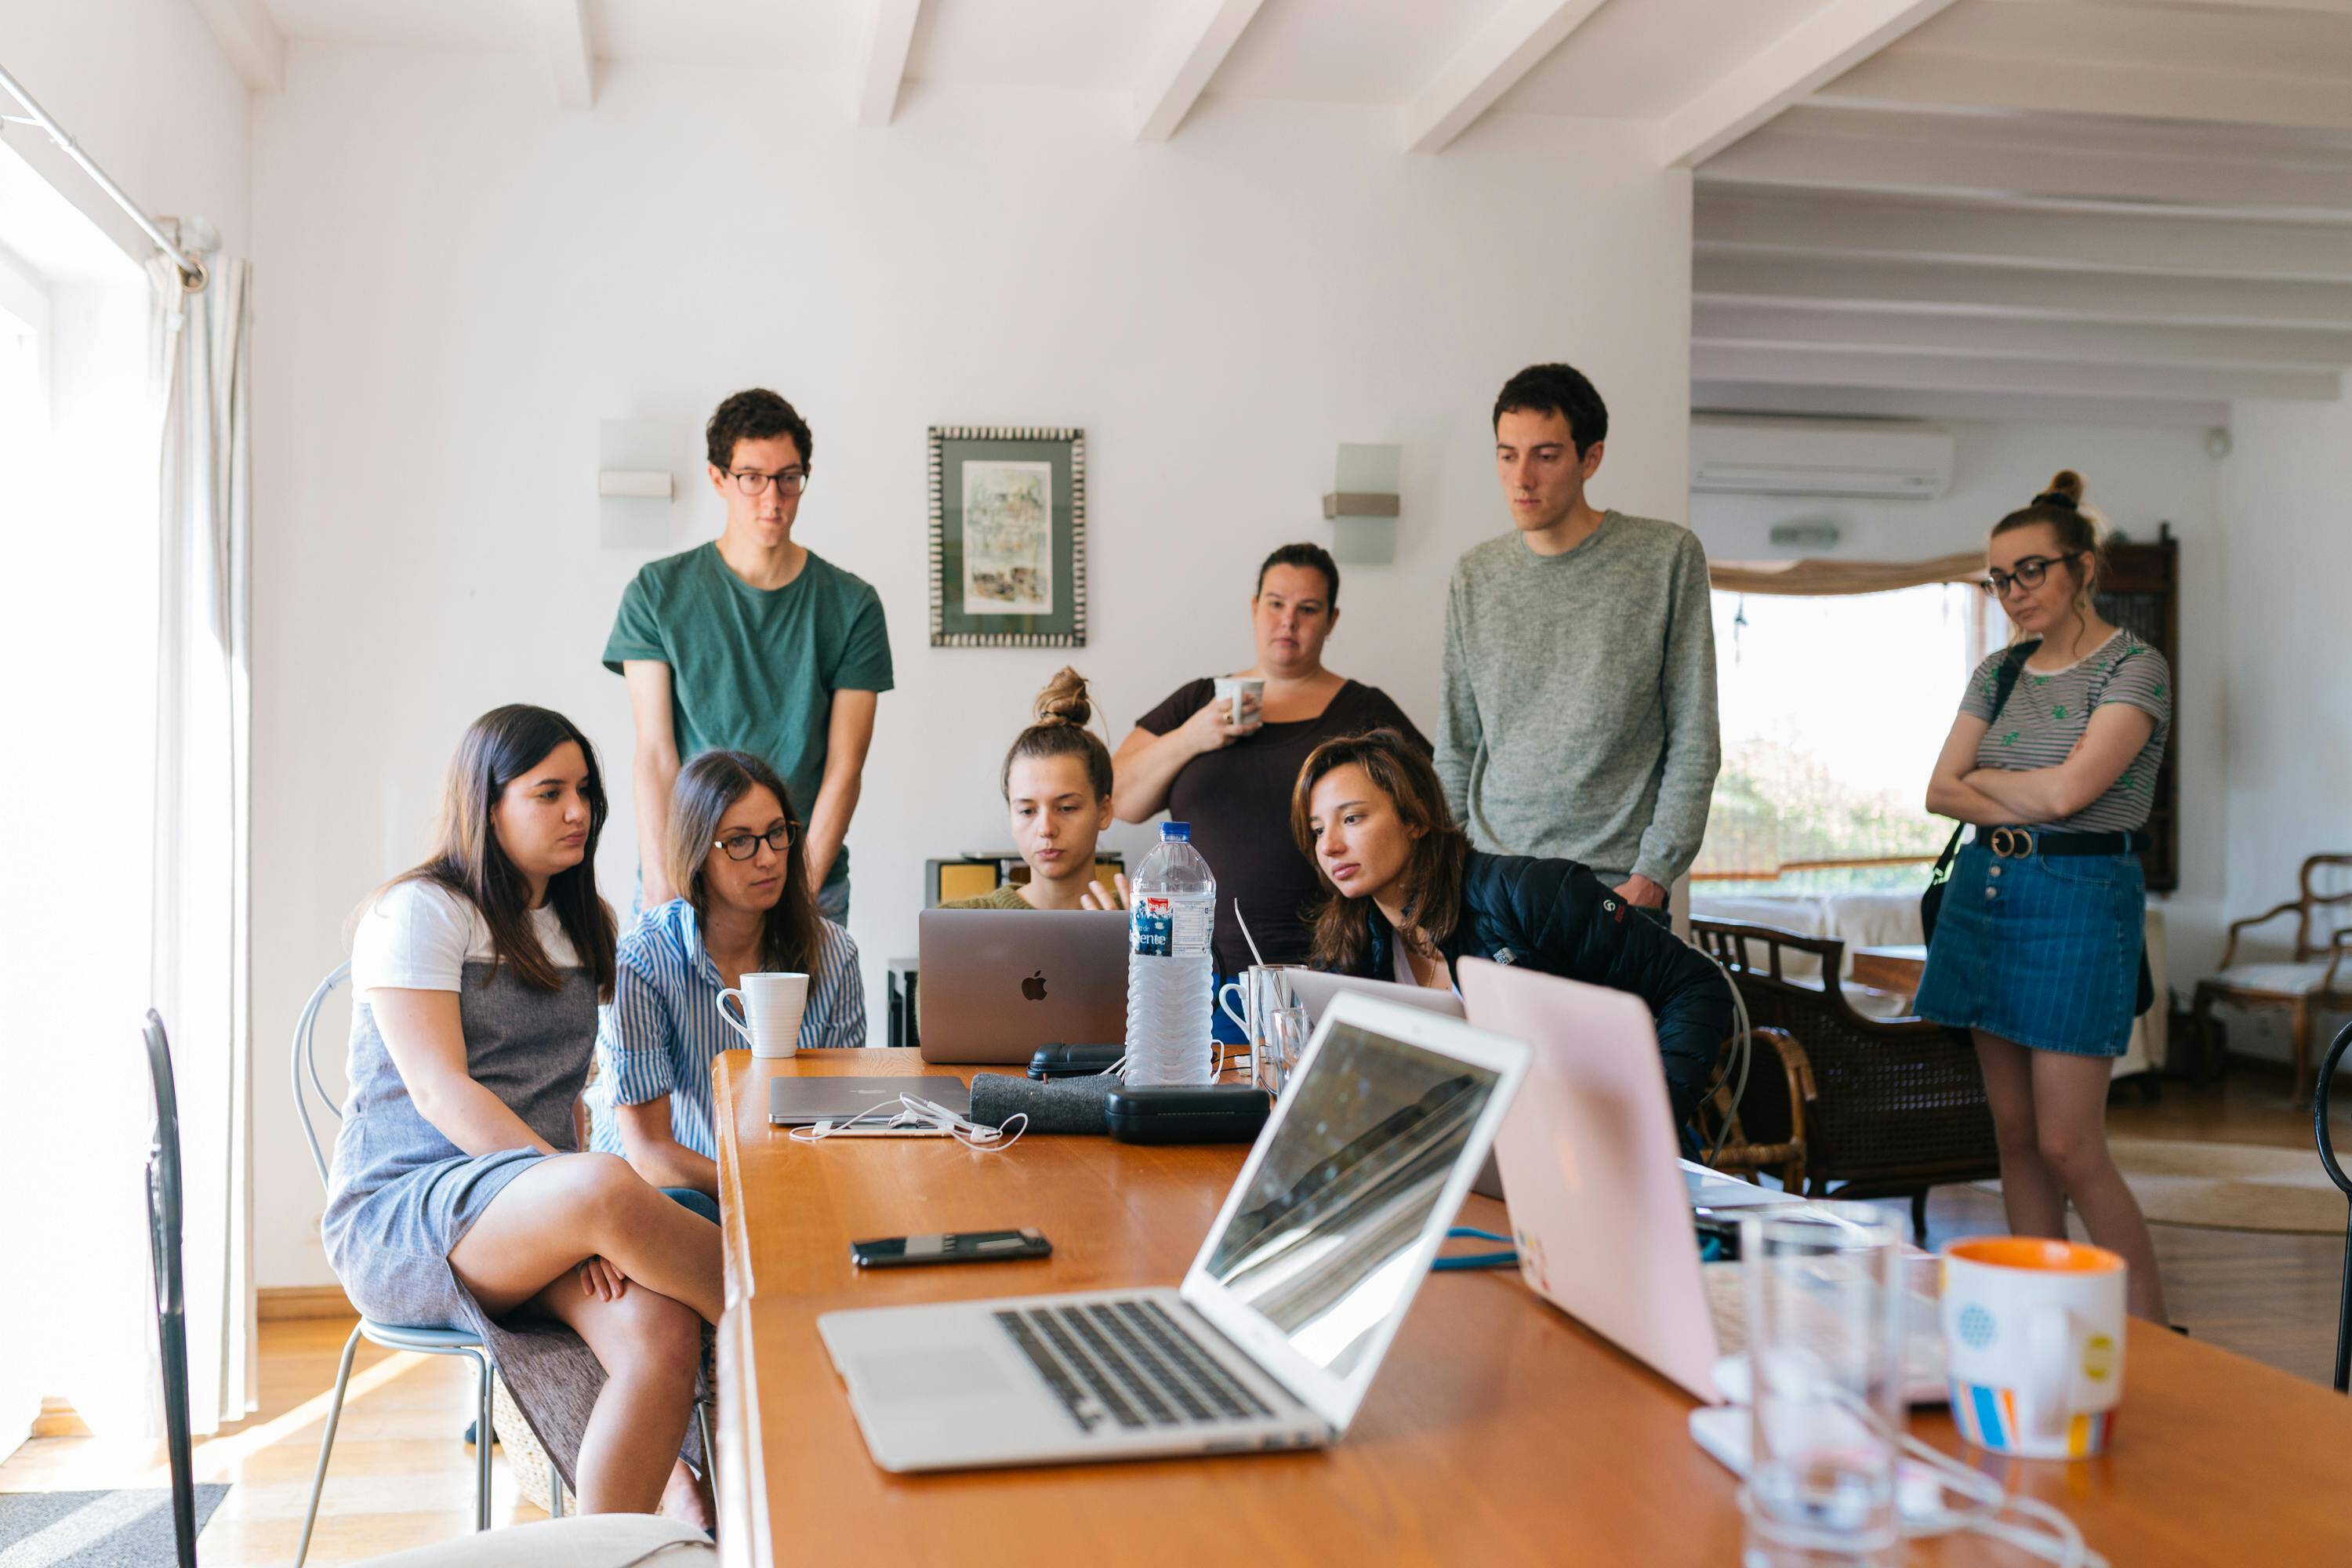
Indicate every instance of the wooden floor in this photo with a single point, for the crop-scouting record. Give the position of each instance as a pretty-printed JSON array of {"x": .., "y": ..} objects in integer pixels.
[{"x": 402, "y": 1477}]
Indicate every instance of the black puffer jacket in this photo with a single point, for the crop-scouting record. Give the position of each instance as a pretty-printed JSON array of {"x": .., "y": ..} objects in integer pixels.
[{"x": 1555, "y": 917}]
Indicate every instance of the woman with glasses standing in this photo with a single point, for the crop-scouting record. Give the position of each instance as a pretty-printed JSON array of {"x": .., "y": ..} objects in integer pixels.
[
  {"x": 746, "y": 908},
  {"x": 2036, "y": 949}
]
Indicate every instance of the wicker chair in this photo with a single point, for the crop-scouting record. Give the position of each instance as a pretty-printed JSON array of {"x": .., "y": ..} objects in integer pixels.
[
  {"x": 1887, "y": 1108},
  {"x": 1764, "y": 1130}
]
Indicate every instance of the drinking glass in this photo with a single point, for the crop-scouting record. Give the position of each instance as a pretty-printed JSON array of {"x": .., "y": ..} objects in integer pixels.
[
  {"x": 1286, "y": 1031},
  {"x": 1825, "y": 1302}
]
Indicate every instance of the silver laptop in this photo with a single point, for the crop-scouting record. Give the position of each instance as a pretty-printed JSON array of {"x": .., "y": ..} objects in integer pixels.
[
  {"x": 805, "y": 1101},
  {"x": 1284, "y": 1317},
  {"x": 1315, "y": 988},
  {"x": 997, "y": 984}
]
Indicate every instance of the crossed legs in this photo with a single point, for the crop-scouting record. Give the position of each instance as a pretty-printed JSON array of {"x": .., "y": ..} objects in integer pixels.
[
  {"x": 2049, "y": 1115},
  {"x": 527, "y": 1248}
]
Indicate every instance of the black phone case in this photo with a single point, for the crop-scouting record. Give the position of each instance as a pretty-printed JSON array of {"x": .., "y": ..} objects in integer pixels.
[
  {"x": 1073, "y": 1061},
  {"x": 1187, "y": 1113}
]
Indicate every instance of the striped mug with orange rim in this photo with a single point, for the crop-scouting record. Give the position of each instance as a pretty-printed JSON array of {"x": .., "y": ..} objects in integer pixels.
[{"x": 2033, "y": 1330}]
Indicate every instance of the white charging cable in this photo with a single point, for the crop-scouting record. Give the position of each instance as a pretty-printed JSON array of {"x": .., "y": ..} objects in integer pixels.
[{"x": 908, "y": 1114}]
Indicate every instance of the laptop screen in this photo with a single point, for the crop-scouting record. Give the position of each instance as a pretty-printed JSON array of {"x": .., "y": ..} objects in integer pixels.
[{"x": 1323, "y": 1242}]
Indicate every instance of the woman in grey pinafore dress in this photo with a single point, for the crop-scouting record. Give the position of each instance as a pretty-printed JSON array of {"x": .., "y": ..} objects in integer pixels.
[{"x": 589, "y": 1286}]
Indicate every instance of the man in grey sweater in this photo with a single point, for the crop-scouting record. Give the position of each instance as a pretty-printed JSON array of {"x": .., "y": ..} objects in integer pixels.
[{"x": 1579, "y": 715}]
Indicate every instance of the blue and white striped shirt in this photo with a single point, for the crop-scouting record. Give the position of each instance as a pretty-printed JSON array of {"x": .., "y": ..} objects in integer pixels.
[{"x": 661, "y": 1031}]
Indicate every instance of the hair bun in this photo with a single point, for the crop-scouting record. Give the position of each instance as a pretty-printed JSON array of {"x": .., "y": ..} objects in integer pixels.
[
  {"x": 2065, "y": 491},
  {"x": 1064, "y": 700}
]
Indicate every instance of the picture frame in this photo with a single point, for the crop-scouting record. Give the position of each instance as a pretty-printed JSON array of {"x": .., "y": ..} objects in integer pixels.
[{"x": 1008, "y": 535}]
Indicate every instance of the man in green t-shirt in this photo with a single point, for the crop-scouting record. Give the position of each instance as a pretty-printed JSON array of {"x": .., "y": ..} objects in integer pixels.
[{"x": 754, "y": 643}]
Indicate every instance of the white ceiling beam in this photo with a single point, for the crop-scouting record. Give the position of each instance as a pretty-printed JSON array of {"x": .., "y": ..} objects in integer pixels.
[
  {"x": 1179, "y": 77},
  {"x": 1992, "y": 407},
  {"x": 249, "y": 38},
  {"x": 889, "y": 38},
  {"x": 2093, "y": 87},
  {"x": 2069, "y": 342},
  {"x": 2097, "y": 242},
  {"x": 1489, "y": 66},
  {"x": 571, "y": 56},
  {"x": 1963, "y": 291},
  {"x": 1818, "y": 49},
  {"x": 1836, "y": 367},
  {"x": 2022, "y": 159}
]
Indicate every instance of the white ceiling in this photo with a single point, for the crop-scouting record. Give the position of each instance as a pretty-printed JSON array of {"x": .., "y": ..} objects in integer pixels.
[{"x": 2123, "y": 209}]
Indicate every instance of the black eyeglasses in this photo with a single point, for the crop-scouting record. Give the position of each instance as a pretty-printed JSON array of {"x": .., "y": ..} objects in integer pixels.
[
  {"x": 2028, "y": 574},
  {"x": 752, "y": 482},
  {"x": 743, "y": 845}
]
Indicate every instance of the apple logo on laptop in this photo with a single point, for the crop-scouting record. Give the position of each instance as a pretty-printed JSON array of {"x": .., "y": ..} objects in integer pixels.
[{"x": 1034, "y": 987}]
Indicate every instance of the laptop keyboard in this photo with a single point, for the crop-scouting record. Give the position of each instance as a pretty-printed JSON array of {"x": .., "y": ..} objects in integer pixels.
[{"x": 1126, "y": 1363}]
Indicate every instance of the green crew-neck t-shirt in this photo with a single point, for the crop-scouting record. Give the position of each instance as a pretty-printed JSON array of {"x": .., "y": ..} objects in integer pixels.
[{"x": 754, "y": 670}]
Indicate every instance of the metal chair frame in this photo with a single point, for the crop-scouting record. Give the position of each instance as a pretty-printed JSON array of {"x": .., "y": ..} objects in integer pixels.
[
  {"x": 2335, "y": 1169},
  {"x": 391, "y": 1336}
]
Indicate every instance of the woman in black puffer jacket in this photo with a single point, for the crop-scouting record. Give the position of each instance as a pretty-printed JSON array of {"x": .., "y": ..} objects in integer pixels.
[{"x": 1409, "y": 898}]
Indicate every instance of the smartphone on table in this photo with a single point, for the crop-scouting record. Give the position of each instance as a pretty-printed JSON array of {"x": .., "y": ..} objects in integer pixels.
[{"x": 962, "y": 1246}]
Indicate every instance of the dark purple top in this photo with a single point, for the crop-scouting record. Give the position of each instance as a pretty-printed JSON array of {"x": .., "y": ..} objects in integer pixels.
[{"x": 1238, "y": 803}]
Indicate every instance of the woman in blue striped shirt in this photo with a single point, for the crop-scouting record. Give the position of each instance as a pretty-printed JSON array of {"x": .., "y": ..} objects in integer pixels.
[{"x": 747, "y": 909}]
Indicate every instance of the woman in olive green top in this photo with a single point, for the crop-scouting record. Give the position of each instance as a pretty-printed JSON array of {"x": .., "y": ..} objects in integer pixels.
[{"x": 1057, "y": 782}]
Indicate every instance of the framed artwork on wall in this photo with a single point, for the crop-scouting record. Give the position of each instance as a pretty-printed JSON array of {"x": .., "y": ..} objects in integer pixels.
[{"x": 1008, "y": 536}]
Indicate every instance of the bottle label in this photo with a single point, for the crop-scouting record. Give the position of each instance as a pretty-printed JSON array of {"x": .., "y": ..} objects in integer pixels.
[{"x": 1151, "y": 927}]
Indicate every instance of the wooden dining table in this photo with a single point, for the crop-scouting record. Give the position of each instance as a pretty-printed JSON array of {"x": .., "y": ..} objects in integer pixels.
[{"x": 1498, "y": 1429}]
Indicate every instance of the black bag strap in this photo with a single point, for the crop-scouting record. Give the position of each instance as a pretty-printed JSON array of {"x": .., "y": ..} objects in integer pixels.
[{"x": 2004, "y": 682}]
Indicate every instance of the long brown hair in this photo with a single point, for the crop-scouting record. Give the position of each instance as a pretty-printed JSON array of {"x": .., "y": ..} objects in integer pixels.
[
  {"x": 1432, "y": 870},
  {"x": 500, "y": 747},
  {"x": 705, "y": 789},
  {"x": 1062, "y": 710}
]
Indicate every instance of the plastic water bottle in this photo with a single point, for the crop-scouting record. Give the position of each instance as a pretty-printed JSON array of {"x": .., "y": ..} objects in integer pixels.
[{"x": 1168, "y": 963}]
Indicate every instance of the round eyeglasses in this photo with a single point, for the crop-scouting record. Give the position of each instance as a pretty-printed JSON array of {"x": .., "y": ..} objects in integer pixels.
[
  {"x": 743, "y": 845},
  {"x": 752, "y": 482}
]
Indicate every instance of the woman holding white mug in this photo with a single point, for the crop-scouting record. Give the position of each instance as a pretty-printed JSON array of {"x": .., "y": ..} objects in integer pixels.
[{"x": 747, "y": 911}]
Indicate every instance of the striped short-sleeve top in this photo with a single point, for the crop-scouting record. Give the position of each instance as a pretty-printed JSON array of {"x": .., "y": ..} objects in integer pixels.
[
  {"x": 2050, "y": 709},
  {"x": 661, "y": 1032}
]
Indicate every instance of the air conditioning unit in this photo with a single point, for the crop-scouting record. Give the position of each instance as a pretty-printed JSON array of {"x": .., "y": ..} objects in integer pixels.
[{"x": 1878, "y": 458}]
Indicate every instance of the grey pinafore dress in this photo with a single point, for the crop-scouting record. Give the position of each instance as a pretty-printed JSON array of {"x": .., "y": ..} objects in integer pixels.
[{"x": 400, "y": 1195}]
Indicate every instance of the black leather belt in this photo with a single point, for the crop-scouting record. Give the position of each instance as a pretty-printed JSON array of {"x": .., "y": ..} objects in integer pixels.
[{"x": 2018, "y": 843}]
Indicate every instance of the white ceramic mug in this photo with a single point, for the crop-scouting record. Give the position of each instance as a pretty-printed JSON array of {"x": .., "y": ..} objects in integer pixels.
[
  {"x": 2033, "y": 1330},
  {"x": 1232, "y": 689},
  {"x": 1256, "y": 990},
  {"x": 771, "y": 1003}
]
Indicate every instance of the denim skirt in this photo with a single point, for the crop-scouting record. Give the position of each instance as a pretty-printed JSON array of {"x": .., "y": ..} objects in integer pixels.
[{"x": 2045, "y": 952}]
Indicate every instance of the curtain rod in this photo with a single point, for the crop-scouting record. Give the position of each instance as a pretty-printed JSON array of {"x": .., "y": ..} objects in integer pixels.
[{"x": 192, "y": 276}]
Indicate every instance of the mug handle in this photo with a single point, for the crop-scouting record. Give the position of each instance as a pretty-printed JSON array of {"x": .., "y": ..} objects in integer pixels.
[
  {"x": 742, "y": 1025},
  {"x": 1239, "y": 1022},
  {"x": 2049, "y": 1369}
]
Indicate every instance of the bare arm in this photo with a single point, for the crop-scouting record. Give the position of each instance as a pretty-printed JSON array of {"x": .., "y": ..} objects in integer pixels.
[
  {"x": 1146, "y": 764},
  {"x": 1948, "y": 796},
  {"x": 654, "y": 771},
  {"x": 657, "y": 1155},
  {"x": 2115, "y": 735},
  {"x": 427, "y": 1039},
  {"x": 848, "y": 735}
]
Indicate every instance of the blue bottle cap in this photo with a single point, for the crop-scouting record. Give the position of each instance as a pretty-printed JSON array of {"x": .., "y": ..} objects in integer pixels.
[{"x": 1179, "y": 831}]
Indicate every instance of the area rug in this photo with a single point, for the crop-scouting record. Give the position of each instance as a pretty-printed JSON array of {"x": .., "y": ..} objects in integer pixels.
[
  {"x": 94, "y": 1530},
  {"x": 2227, "y": 1186}
]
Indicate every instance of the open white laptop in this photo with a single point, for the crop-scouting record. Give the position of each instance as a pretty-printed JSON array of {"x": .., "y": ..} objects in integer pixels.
[
  {"x": 997, "y": 983},
  {"x": 1284, "y": 1317},
  {"x": 1599, "y": 1199}
]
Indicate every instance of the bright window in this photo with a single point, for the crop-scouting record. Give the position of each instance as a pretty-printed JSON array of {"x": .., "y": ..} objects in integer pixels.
[{"x": 1832, "y": 711}]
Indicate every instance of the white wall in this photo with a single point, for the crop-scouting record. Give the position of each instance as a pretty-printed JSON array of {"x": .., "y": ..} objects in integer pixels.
[
  {"x": 145, "y": 90},
  {"x": 2138, "y": 477},
  {"x": 2286, "y": 491},
  {"x": 457, "y": 284}
]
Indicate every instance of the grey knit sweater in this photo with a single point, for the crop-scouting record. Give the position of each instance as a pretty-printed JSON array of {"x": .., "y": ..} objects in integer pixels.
[{"x": 1579, "y": 692}]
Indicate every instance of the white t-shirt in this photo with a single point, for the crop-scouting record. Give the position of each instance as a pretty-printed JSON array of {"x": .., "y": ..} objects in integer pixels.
[{"x": 419, "y": 936}]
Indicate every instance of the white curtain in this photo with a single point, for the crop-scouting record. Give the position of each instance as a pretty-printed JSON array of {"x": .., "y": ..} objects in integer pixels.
[{"x": 203, "y": 841}]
